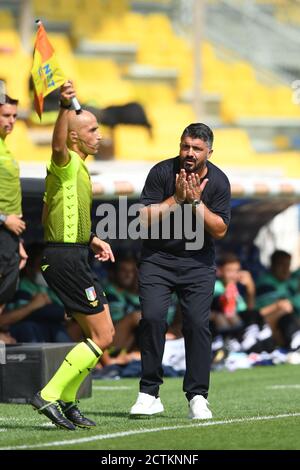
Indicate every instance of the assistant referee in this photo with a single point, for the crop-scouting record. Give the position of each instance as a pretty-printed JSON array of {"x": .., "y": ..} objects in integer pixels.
[
  {"x": 67, "y": 224},
  {"x": 12, "y": 253},
  {"x": 188, "y": 181}
]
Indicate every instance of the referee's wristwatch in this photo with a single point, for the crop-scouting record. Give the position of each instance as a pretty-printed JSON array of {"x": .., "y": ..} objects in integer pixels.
[
  {"x": 92, "y": 236},
  {"x": 196, "y": 203},
  {"x": 3, "y": 218}
]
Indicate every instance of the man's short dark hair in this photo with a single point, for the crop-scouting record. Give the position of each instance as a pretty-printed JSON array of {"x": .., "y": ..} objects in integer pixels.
[
  {"x": 9, "y": 100},
  {"x": 278, "y": 255},
  {"x": 199, "y": 131}
]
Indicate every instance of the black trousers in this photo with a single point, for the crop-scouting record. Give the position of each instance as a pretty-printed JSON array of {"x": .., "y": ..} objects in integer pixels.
[
  {"x": 194, "y": 287},
  {"x": 9, "y": 264}
]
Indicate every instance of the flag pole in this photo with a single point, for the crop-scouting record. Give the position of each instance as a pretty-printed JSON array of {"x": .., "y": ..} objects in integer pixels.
[{"x": 75, "y": 102}]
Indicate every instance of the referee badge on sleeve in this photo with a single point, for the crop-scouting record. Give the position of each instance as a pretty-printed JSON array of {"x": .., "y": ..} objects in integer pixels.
[{"x": 91, "y": 293}]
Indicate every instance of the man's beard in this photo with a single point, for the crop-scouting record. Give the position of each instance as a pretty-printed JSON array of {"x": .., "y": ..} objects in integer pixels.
[{"x": 189, "y": 164}]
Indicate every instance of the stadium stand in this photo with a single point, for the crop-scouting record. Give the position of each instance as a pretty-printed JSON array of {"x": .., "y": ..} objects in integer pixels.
[
  {"x": 117, "y": 55},
  {"x": 120, "y": 52}
]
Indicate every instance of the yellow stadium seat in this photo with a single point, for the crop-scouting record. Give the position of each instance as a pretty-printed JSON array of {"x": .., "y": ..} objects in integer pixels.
[
  {"x": 169, "y": 121},
  {"x": 133, "y": 25},
  {"x": 17, "y": 84},
  {"x": 20, "y": 144},
  {"x": 156, "y": 93},
  {"x": 158, "y": 23},
  {"x": 56, "y": 10},
  {"x": 60, "y": 43},
  {"x": 7, "y": 20},
  {"x": 232, "y": 147},
  {"x": 9, "y": 39},
  {"x": 23, "y": 148},
  {"x": 105, "y": 93},
  {"x": 99, "y": 82},
  {"x": 132, "y": 143},
  {"x": 97, "y": 69}
]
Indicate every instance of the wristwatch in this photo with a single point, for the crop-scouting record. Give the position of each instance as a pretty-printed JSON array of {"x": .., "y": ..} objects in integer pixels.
[
  {"x": 3, "y": 218},
  {"x": 196, "y": 203},
  {"x": 92, "y": 236}
]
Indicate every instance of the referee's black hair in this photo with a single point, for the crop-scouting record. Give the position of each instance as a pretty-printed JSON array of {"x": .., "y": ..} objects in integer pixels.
[{"x": 201, "y": 131}]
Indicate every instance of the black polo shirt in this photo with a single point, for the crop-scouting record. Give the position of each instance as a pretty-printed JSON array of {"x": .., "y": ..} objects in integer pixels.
[{"x": 159, "y": 186}]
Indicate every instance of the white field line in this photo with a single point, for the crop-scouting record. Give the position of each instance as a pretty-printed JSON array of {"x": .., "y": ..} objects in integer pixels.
[
  {"x": 20, "y": 420},
  {"x": 100, "y": 437},
  {"x": 282, "y": 387}
]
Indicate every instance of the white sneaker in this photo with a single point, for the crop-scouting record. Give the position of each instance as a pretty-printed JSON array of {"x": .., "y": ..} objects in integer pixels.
[
  {"x": 250, "y": 337},
  {"x": 198, "y": 408},
  {"x": 146, "y": 405},
  {"x": 295, "y": 343}
]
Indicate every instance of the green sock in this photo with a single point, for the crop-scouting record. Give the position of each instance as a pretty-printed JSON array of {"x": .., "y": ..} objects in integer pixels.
[
  {"x": 76, "y": 364},
  {"x": 70, "y": 392}
]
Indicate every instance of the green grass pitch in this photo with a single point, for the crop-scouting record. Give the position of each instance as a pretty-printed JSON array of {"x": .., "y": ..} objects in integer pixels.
[{"x": 253, "y": 409}]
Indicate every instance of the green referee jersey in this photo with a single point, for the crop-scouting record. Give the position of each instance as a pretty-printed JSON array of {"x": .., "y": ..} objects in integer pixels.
[
  {"x": 69, "y": 198},
  {"x": 10, "y": 186}
]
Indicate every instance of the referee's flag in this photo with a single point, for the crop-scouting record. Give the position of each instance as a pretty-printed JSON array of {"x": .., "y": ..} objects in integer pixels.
[{"x": 46, "y": 74}]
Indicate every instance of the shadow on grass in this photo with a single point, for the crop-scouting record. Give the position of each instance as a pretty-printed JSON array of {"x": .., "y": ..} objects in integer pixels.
[
  {"x": 126, "y": 415},
  {"x": 32, "y": 427},
  {"x": 108, "y": 414}
]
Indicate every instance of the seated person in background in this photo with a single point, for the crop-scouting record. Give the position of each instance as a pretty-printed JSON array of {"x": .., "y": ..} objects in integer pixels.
[
  {"x": 13, "y": 326},
  {"x": 233, "y": 316},
  {"x": 122, "y": 296},
  {"x": 295, "y": 285},
  {"x": 5, "y": 336},
  {"x": 278, "y": 300},
  {"x": 35, "y": 314}
]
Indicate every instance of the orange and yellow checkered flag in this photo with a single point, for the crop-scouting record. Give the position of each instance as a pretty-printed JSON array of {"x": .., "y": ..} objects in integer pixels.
[{"x": 46, "y": 74}]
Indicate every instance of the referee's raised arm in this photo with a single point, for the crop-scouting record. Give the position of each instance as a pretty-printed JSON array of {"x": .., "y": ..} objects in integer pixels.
[
  {"x": 60, "y": 154},
  {"x": 65, "y": 263}
]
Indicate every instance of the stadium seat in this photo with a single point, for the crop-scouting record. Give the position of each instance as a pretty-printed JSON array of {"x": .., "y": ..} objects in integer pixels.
[
  {"x": 99, "y": 82},
  {"x": 132, "y": 143},
  {"x": 16, "y": 83},
  {"x": 23, "y": 148},
  {"x": 154, "y": 93},
  {"x": 9, "y": 40},
  {"x": 104, "y": 82},
  {"x": 232, "y": 147},
  {"x": 7, "y": 21}
]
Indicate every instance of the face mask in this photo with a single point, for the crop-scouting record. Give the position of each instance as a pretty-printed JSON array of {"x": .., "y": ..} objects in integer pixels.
[{"x": 39, "y": 280}]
